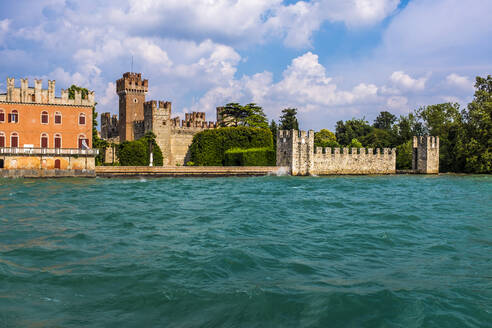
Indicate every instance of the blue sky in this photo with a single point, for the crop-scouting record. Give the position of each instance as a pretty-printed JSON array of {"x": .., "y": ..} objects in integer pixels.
[{"x": 331, "y": 59}]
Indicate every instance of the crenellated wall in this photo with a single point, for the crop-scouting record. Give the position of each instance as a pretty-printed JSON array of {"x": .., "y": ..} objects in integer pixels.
[
  {"x": 38, "y": 95},
  {"x": 356, "y": 161},
  {"x": 296, "y": 151}
]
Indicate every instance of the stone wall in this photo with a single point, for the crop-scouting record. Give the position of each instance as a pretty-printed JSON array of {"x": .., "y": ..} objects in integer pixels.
[
  {"x": 12, "y": 162},
  {"x": 295, "y": 151},
  {"x": 359, "y": 161}
]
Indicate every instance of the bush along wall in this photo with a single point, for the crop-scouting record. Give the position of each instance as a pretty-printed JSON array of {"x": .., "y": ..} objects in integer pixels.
[
  {"x": 208, "y": 147},
  {"x": 136, "y": 153},
  {"x": 250, "y": 157}
]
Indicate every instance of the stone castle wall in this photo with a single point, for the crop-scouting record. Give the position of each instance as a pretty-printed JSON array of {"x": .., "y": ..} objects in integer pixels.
[{"x": 296, "y": 151}]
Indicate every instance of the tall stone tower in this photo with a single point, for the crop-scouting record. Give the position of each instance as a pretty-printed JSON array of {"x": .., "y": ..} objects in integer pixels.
[
  {"x": 425, "y": 155},
  {"x": 131, "y": 89},
  {"x": 295, "y": 151}
]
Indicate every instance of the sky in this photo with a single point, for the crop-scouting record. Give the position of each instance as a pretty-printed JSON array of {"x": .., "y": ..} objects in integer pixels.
[{"x": 331, "y": 59}]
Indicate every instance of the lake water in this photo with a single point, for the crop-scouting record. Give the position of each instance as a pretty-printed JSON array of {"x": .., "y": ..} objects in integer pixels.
[{"x": 382, "y": 251}]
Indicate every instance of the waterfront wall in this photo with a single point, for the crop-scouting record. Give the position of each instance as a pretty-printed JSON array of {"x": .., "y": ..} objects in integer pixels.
[
  {"x": 425, "y": 158},
  {"x": 185, "y": 171},
  {"x": 296, "y": 151}
]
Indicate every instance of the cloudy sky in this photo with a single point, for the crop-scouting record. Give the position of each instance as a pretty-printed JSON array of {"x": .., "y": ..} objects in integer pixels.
[{"x": 331, "y": 59}]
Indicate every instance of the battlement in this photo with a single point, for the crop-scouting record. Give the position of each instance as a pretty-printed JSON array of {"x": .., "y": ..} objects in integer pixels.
[
  {"x": 132, "y": 82},
  {"x": 426, "y": 142},
  {"x": 161, "y": 108},
  {"x": 38, "y": 95},
  {"x": 361, "y": 152}
]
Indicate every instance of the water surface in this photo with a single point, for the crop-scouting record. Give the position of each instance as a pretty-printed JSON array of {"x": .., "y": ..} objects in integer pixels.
[{"x": 382, "y": 251}]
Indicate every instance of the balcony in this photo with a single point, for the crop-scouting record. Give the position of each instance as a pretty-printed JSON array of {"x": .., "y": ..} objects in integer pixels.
[{"x": 48, "y": 151}]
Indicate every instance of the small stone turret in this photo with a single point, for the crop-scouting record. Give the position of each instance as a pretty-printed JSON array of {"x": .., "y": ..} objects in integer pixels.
[{"x": 425, "y": 158}]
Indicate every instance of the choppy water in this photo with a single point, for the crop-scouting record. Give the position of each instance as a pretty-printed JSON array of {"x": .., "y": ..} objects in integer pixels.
[{"x": 398, "y": 251}]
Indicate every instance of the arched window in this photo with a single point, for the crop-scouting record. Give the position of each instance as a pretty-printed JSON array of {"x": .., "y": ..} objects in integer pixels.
[
  {"x": 58, "y": 118},
  {"x": 14, "y": 117},
  {"x": 57, "y": 164},
  {"x": 58, "y": 140},
  {"x": 2, "y": 116},
  {"x": 44, "y": 140},
  {"x": 82, "y": 119},
  {"x": 44, "y": 117},
  {"x": 83, "y": 142},
  {"x": 2, "y": 139},
  {"x": 14, "y": 140}
]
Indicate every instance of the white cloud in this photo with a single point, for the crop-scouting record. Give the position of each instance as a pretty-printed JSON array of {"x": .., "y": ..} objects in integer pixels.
[
  {"x": 4, "y": 29},
  {"x": 397, "y": 103},
  {"x": 406, "y": 82},
  {"x": 462, "y": 82}
]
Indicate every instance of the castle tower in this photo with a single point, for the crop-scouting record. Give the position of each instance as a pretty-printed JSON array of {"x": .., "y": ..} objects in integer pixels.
[
  {"x": 295, "y": 150},
  {"x": 131, "y": 89},
  {"x": 425, "y": 155}
]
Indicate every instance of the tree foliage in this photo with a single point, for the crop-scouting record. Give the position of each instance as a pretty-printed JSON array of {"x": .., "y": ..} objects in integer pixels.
[
  {"x": 351, "y": 129},
  {"x": 250, "y": 115},
  {"x": 325, "y": 138},
  {"x": 274, "y": 130},
  {"x": 384, "y": 121},
  {"x": 137, "y": 152},
  {"x": 288, "y": 120}
]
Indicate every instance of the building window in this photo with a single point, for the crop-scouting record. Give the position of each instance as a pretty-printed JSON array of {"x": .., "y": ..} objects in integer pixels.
[
  {"x": 58, "y": 118},
  {"x": 82, "y": 119},
  {"x": 2, "y": 139},
  {"x": 14, "y": 140},
  {"x": 57, "y": 164},
  {"x": 2, "y": 116},
  {"x": 14, "y": 117},
  {"x": 44, "y": 117},
  {"x": 44, "y": 140},
  {"x": 83, "y": 142},
  {"x": 58, "y": 140}
]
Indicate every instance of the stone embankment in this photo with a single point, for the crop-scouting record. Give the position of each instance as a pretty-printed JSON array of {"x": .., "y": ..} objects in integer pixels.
[{"x": 185, "y": 171}]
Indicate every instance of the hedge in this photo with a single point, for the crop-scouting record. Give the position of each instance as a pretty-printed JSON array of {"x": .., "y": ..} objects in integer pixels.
[
  {"x": 208, "y": 147},
  {"x": 136, "y": 153},
  {"x": 250, "y": 157}
]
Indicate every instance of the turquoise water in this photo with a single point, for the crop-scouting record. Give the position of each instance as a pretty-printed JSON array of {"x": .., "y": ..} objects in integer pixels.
[{"x": 384, "y": 251}]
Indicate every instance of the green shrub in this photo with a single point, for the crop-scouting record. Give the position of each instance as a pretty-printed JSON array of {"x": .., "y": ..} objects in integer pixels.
[
  {"x": 208, "y": 147},
  {"x": 136, "y": 153},
  {"x": 250, "y": 157}
]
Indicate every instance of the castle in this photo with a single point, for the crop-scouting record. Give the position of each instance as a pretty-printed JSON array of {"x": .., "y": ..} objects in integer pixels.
[
  {"x": 296, "y": 152},
  {"x": 138, "y": 116}
]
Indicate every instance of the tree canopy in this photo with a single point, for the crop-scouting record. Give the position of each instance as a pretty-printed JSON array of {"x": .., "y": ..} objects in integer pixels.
[
  {"x": 288, "y": 120},
  {"x": 250, "y": 115}
]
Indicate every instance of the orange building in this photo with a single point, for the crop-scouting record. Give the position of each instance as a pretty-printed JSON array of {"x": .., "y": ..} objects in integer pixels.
[
  {"x": 33, "y": 121},
  {"x": 35, "y": 118}
]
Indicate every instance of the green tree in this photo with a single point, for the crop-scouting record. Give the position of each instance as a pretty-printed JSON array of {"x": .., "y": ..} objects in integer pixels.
[
  {"x": 445, "y": 120},
  {"x": 274, "y": 129},
  {"x": 250, "y": 115},
  {"x": 478, "y": 126},
  {"x": 404, "y": 155},
  {"x": 407, "y": 127},
  {"x": 352, "y": 129},
  {"x": 379, "y": 138},
  {"x": 354, "y": 143},
  {"x": 288, "y": 120},
  {"x": 325, "y": 138},
  {"x": 137, "y": 152},
  {"x": 384, "y": 121}
]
